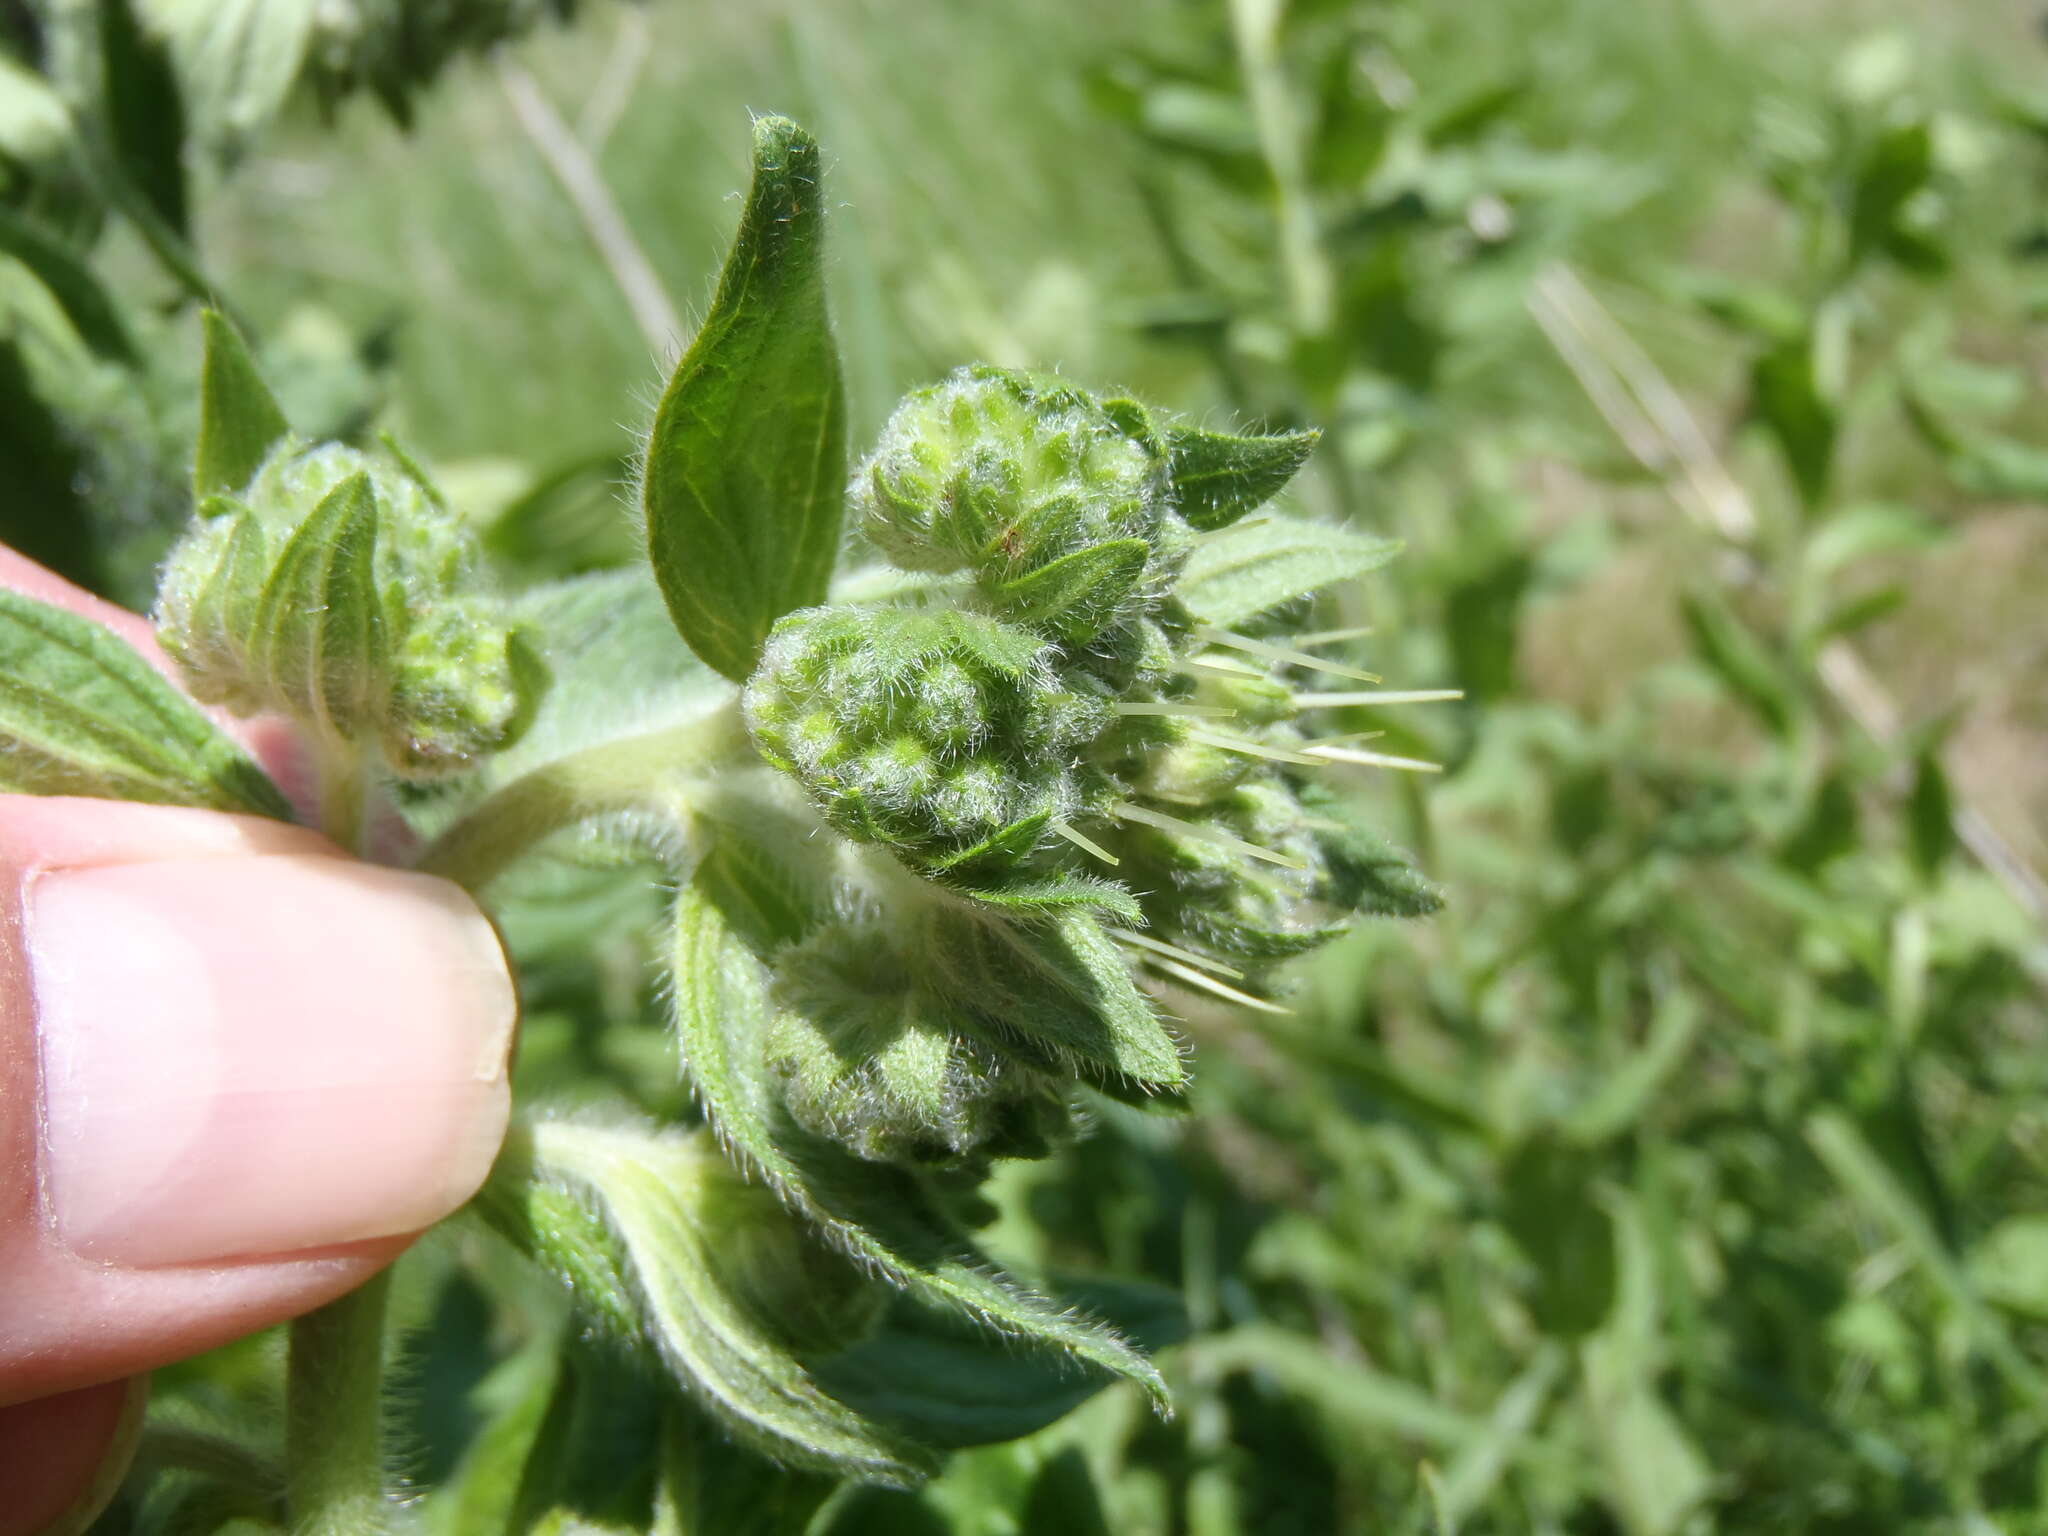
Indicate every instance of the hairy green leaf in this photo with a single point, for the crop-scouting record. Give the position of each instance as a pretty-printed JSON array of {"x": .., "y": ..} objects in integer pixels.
[
  {"x": 319, "y": 637},
  {"x": 1075, "y": 596},
  {"x": 1218, "y": 478},
  {"x": 875, "y": 1213},
  {"x": 746, "y": 466},
  {"x": 81, "y": 713},
  {"x": 562, "y": 1233},
  {"x": 1246, "y": 569},
  {"x": 1062, "y": 984},
  {"x": 239, "y": 421},
  {"x": 935, "y": 1376},
  {"x": 687, "y": 1270},
  {"x": 618, "y": 667},
  {"x": 1059, "y": 892}
]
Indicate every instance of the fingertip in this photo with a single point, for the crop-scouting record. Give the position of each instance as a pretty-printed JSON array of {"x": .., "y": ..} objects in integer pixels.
[
  {"x": 64, "y": 1456},
  {"x": 279, "y": 1054}
]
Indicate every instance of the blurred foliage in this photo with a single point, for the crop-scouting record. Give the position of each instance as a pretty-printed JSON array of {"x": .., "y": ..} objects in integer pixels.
[{"x": 1685, "y": 1174}]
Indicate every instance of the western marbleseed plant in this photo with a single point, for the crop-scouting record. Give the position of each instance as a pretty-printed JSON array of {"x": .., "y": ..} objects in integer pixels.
[{"x": 978, "y": 760}]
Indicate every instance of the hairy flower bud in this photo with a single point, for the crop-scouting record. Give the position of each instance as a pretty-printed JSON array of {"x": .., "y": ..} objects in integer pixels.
[
  {"x": 1055, "y": 502},
  {"x": 880, "y": 1063},
  {"x": 337, "y": 591},
  {"x": 946, "y": 735}
]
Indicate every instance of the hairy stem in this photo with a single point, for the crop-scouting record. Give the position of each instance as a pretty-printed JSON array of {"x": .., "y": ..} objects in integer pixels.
[
  {"x": 633, "y": 774},
  {"x": 334, "y": 1444}
]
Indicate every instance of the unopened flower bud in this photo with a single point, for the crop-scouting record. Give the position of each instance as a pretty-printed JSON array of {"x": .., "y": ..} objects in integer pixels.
[
  {"x": 1054, "y": 503},
  {"x": 945, "y": 735},
  {"x": 876, "y": 1061},
  {"x": 336, "y": 590}
]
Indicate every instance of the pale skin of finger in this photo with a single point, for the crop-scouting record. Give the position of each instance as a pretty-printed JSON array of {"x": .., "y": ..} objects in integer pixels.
[
  {"x": 74, "y": 1327},
  {"x": 67, "y": 1321}
]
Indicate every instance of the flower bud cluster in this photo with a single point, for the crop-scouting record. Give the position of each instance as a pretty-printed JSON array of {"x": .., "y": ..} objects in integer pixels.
[
  {"x": 876, "y": 1058},
  {"x": 337, "y": 590},
  {"x": 1057, "y": 503},
  {"x": 943, "y": 733},
  {"x": 1036, "y": 720}
]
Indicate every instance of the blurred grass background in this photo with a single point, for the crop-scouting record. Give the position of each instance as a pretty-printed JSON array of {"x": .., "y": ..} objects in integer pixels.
[{"x": 1689, "y": 1173}]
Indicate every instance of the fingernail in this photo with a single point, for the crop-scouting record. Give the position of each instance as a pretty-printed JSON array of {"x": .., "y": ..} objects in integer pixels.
[{"x": 259, "y": 1056}]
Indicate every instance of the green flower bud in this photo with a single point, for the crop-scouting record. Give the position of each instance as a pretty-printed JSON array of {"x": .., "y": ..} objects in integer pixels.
[
  {"x": 946, "y": 735},
  {"x": 337, "y": 591},
  {"x": 1055, "y": 503},
  {"x": 878, "y": 1062}
]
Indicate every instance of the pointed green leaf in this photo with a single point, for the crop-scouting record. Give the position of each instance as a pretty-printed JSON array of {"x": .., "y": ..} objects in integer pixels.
[
  {"x": 936, "y": 1377},
  {"x": 654, "y": 1205},
  {"x": 81, "y": 713},
  {"x": 1013, "y": 841},
  {"x": 1856, "y": 613},
  {"x": 1787, "y": 398},
  {"x": 746, "y": 467},
  {"x": 1062, "y": 983},
  {"x": 1074, "y": 597},
  {"x": 1055, "y": 893},
  {"x": 239, "y": 421},
  {"x": 1741, "y": 661},
  {"x": 1358, "y": 1399},
  {"x": 1828, "y": 831},
  {"x": 1218, "y": 478},
  {"x": 319, "y": 641},
  {"x": 218, "y": 600},
  {"x": 1896, "y": 167},
  {"x": 1930, "y": 816},
  {"x": 1368, "y": 874},
  {"x": 875, "y": 1213},
  {"x": 1242, "y": 571}
]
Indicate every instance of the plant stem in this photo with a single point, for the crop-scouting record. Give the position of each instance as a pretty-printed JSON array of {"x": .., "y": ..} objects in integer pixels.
[
  {"x": 1311, "y": 286},
  {"x": 334, "y": 1444},
  {"x": 634, "y": 773}
]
